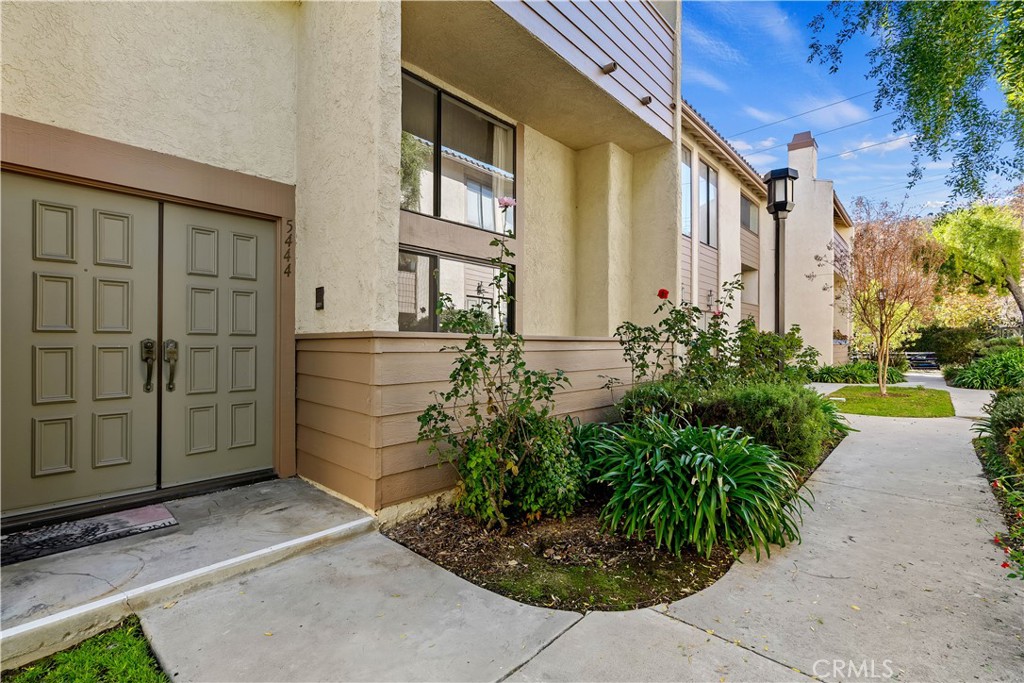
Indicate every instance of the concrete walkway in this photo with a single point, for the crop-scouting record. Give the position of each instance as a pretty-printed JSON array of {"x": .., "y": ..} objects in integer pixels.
[{"x": 896, "y": 576}]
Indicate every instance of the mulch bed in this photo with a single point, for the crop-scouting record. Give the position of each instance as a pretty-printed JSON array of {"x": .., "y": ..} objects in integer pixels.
[{"x": 569, "y": 564}]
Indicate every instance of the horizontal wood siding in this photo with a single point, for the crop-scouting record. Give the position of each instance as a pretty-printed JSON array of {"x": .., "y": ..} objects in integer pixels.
[
  {"x": 750, "y": 249},
  {"x": 707, "y": 274},
  {"x": 686, "y": 268},
  {"x": 751, "y": 311},
  {"x": 590, "y": 35},
  {"x": 359, "y": 399}
]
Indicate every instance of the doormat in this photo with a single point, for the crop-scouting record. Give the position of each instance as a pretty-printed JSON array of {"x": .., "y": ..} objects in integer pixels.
[{"x": 57, "y": 538}]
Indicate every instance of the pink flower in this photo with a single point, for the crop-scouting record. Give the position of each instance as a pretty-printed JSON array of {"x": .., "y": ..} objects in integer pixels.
[
  {"x": 505, "y": 202},
  {"x": 718, "y": 314}
]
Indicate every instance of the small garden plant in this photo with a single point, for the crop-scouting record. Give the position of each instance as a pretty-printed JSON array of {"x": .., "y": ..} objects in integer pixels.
[
  {"x": 695, "y": 486},
  {"x": 494, "y": 423}
]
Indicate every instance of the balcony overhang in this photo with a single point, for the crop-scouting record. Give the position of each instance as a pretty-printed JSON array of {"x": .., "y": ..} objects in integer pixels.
[{"x": 480, "y": 49}]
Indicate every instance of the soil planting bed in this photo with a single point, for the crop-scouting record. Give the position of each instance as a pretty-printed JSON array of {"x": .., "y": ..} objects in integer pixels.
[{"x": 568, "y": 565}]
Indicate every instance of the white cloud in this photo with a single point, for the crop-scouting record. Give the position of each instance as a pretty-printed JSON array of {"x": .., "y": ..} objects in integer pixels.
[
  {"x": 767, "y": 142},
  {"x": 891, "y": 143},
  {"x": 701, "y": 77},
  {"x": 761, "y": 159},
  {"x": 760, "y": 114},
  {"x": 830, "y": 116},
  {"x": 741, "y": 146},
  {"x": 696, "y": 41}
]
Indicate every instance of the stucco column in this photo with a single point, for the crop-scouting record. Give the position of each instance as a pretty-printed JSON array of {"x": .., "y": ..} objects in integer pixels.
[
  {"x": 349, "y": 107},
  {"x": 656, "y": 227},
  {"x": 604, "y": 176}
]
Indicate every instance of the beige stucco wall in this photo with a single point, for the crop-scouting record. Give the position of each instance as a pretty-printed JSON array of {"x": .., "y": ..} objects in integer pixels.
[
  {"x": 347, "y": 197},
  {"x": 211, "y": 82},
  {"x": 730, "y": 263},
  {"x": 654, "y": 245},
  {"x": 605, "y": 199},
  {"x": 548, "y": 206},
  {"x": 809, "y": 301}
]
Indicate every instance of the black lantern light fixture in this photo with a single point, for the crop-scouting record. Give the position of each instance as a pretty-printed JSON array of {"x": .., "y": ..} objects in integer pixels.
[{"x": 780, "y": 184}]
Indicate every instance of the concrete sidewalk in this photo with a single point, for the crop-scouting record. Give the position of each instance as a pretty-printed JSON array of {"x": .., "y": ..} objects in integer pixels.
[{"x": 896, "y": 577}]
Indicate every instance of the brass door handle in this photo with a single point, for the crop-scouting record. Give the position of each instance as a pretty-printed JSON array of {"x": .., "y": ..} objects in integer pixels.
[
  {"x": 148, "y": 347},
  {"x": 171, "y": 358}
]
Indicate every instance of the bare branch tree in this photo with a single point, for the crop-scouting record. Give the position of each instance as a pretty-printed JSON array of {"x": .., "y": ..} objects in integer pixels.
[{"x": 894, "y": 275}]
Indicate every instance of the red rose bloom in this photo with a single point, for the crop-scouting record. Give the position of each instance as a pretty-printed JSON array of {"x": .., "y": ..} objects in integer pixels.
[
  {"x": 1005, "y": 565},
  {"x": 662, "y": 293}
]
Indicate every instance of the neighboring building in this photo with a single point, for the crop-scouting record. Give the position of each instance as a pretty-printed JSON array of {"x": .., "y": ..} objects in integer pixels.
[
  {"x": 817, "y": 258},
  {"x": 226, "y": 227}
]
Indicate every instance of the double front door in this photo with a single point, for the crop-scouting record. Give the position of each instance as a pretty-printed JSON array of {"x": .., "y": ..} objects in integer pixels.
[{"x": 137, "y": 344}]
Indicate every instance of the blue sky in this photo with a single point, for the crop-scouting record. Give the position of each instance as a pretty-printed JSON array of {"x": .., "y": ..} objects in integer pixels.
[{"x": 745, "y": 65}]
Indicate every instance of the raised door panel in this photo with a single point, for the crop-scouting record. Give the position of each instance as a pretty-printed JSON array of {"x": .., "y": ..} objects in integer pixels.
[
  {"x": 80, "y": 293},
  {"x": 219, "y": 308}
]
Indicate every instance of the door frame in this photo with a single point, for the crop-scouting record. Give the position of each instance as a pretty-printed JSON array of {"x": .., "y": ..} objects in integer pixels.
[{"x": 48, "y": 152}]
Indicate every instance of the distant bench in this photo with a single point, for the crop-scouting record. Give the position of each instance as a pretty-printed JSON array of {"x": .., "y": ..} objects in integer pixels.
[{"x": 922, "y": 360}]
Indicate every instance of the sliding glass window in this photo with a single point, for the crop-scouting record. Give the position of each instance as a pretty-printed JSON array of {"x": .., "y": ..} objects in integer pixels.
[
  {"x": 707, "y": 207},
  {"x": 466, "y": 288},
  {"x": 475, "y": 166},
  {"x": 687, "y": 173},
  {"x": 748, "y": 214}
]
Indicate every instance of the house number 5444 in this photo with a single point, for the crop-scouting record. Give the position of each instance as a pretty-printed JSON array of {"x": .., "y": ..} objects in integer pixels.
[{"x": 289, "y": 241}]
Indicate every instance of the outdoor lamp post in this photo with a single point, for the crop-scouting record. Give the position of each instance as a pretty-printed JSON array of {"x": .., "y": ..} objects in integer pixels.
[{"x": 780, "y": 202}]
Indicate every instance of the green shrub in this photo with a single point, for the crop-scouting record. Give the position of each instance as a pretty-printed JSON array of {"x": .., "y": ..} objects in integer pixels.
[
  {"x": 551, "y": 479},
  {"x": 1004, "y": 425},
  {"x": 697, "y": 487},
  {"x": 786, "y": 417},
  {"x": 997, "y": 345},
  {"x": 992, "y": 372},
  {"x": 667, "y": 396},
  {"x": 494, "y": 424},
  {"x": 951, "y": 345},
  {"x": 857, "y": 372}
]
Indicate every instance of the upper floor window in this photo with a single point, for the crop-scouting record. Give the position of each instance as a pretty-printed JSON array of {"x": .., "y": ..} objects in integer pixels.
[
  {"x": 748, "y": 214},
  {"x": 707, "y": 206},
  {"x": 462, "y": 178},
  {"x": 687, "y": 172}
]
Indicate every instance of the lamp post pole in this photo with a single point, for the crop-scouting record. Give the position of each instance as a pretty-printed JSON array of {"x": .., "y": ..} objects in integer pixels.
[
  {"x": 780, "y": 225},
  {"x": 780, "y": 203}
]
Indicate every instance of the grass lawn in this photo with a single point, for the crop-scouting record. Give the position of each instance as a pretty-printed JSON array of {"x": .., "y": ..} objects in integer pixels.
[
  {"x": 900, "y": 402},
  {"x": 121, "y": 655}
]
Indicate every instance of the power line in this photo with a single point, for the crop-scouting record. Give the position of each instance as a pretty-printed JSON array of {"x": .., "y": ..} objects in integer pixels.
[
  {"x": 795, "y": 116},
  {"x": 832, "y": 130},
  {"x": 904, "y": 183},
  {"x": 851, "y": 151}
]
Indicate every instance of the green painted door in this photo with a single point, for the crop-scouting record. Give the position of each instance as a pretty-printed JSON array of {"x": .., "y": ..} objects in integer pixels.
[
  {"x": 93, "y": 283},
  {"x": 218, "y": 312},
  {"x": 79, "y": 297}
]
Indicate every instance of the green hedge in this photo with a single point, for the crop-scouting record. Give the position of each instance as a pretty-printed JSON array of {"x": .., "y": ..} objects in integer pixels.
[
  {"x": 796, "y": 421},
  {"x": 857, "y": 372},
  {"x": 991, "y": 372}
]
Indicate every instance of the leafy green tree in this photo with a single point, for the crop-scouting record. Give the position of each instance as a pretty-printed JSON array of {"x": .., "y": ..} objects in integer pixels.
[
  {"x": 984, "y": 245},
  {"x": 932, "y": 63}
]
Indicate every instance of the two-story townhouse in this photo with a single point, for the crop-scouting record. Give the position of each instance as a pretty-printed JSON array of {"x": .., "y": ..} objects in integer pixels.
[
  {"x": 226, "y": 227},
  {"x": 726, "y": 228}
]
